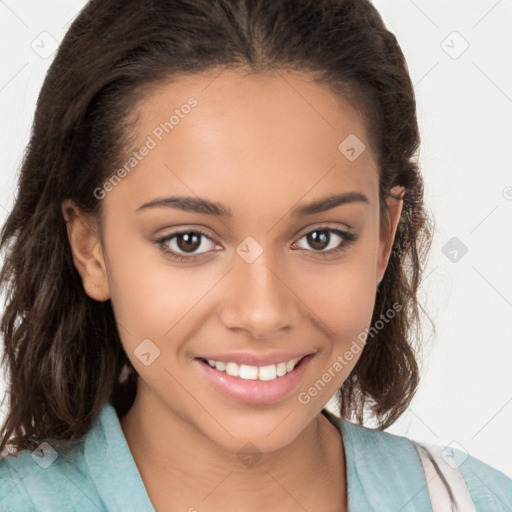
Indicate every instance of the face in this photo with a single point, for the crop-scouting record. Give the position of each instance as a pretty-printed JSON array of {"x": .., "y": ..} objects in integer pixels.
[{"x": 265, "y": 274}]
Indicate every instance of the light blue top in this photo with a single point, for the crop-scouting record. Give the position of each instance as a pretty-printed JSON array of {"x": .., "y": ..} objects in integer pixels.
[{"x": 384, "y": 473}]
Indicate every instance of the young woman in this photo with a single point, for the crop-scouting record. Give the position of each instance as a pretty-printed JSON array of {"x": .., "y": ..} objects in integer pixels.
[{"x": 219, "y": 226}]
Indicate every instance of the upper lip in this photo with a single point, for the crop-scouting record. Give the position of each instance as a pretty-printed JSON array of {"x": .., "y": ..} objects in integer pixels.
[{"x": 256, "y": 359}]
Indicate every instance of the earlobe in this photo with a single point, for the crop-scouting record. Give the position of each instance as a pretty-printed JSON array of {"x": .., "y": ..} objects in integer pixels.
[
  {"x": 87, "y": 251},
  {"x": 386, "y": 242}
]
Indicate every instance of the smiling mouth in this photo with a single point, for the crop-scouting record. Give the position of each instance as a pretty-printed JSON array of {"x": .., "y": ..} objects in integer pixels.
[
  {"x": 248, "y": 387},
  {"x": 256, "y": 373}
]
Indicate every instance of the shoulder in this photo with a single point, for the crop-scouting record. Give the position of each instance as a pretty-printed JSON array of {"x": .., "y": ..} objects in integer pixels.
[
  {"x": 47, "y": 477},
  {"x": 12, "y": 495},
  {"x": 489, "y": 488},
  {"x": 96, "y": 472}
]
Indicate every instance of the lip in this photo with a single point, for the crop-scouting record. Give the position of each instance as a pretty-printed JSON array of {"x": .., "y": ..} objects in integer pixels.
[
  {"x": 256, "y": 359},
  {"x": 255, "y": 391}
]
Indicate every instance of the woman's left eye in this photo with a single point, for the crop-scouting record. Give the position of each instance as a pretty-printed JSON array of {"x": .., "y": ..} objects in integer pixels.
[
  {"x": 319, "y": 237},
  {"x": 177, "y": 245}
]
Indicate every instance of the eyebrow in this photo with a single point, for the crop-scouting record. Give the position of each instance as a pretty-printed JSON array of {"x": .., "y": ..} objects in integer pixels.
[{"x": 200, "y": 205}]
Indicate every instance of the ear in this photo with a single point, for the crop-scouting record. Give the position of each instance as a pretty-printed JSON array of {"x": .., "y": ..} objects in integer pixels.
[
  {"x": 87, "y": 250},
  {"x": 389, "y": 228}
]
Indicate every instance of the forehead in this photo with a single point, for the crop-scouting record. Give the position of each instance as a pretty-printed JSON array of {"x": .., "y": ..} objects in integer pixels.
[{"x": 231, "y": 134}]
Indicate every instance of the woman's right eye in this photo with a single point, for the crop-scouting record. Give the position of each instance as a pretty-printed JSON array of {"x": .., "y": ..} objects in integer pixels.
[{"x": 187, "y": 240}]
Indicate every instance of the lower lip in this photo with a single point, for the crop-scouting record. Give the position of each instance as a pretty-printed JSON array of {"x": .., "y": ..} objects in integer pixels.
[{"x": 256, "y": 391}]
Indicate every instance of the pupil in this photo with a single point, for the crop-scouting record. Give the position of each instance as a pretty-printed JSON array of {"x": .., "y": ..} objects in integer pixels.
[
  {"x": 318, "y": 239},
  {"x": 192, "y": 241}
]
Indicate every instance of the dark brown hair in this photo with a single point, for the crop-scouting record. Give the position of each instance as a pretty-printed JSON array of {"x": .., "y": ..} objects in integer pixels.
[{"x": 63, "y": 358}]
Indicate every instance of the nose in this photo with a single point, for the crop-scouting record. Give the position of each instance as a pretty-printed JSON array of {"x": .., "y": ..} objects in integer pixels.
[{"x": 260, "y": 299}]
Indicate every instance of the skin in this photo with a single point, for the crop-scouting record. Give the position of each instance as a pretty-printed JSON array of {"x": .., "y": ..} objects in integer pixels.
[{"x": 261, "y": 145}]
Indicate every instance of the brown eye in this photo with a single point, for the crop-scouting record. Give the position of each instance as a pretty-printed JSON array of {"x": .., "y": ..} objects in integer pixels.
[
  {"x": 317, "y": 239},
  {"x": 322, "y": 238},
  {"x": 182, "y": 245},
  {"x": 188, "y": 241}
]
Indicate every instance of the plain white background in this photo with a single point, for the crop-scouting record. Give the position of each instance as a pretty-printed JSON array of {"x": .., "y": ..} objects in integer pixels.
[{"x": 458, "y": 54}]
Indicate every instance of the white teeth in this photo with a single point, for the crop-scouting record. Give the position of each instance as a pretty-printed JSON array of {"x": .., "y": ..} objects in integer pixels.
[
  {"x": 232, "y": 369},
  {"x": 268, "y": 372},
  {"x": 247, "y": 372},
  {"x": 281, "y": 369}
]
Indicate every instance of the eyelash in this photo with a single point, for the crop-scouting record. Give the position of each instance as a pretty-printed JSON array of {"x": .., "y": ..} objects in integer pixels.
[{"x": 348, "y": 238}]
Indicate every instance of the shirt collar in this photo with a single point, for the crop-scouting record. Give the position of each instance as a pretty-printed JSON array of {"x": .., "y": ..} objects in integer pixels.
[{"x": 112, "y": 466}]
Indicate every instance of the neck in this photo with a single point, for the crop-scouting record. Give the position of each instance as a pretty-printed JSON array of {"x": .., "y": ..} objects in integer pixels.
[{"x": 183, "y": 468}]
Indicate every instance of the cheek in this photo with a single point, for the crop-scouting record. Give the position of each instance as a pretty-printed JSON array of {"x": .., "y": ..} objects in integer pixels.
[
  {"x": 342, "y": 300},
  {"x": 342, "y": 295},
  {"x": 144, "y": 300}
]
